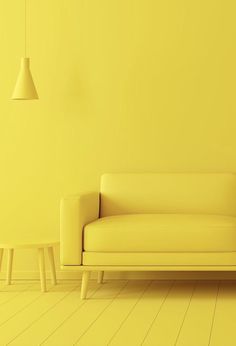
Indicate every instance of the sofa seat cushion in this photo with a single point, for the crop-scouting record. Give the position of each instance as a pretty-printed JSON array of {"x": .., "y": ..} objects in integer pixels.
[{"x": 161, "y": 233}]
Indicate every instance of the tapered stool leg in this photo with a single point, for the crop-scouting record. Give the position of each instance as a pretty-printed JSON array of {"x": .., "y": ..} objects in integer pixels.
[
  {"x": 10, "y": 253},
  {"x": 1, "y": 255},
  {"x": 84, "y": 285},
  {"x": 42, "y": 269},
  {"x": 52, "y": 265},
  {"x": 100, "y": 277}
]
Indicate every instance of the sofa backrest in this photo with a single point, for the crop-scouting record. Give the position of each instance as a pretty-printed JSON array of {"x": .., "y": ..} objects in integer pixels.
[{"x": 196, "y": 193}]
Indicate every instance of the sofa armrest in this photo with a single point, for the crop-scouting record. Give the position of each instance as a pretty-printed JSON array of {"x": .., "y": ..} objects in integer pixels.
[{"x": 75, "y": 212}]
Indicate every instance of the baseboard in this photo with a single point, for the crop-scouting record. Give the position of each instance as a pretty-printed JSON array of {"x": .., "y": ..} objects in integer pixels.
[{"x": 66, "y": 275}]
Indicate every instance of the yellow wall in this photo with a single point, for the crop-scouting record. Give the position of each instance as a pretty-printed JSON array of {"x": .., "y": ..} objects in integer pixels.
[{"x": 142, "y": 85}]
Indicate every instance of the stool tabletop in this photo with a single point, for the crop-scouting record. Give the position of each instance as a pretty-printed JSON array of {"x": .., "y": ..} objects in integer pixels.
[{"x": 26, "y": 240}]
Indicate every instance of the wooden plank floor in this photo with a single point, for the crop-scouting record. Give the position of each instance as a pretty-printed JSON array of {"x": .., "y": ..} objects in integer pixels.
[{"x": 119, "y": 313}]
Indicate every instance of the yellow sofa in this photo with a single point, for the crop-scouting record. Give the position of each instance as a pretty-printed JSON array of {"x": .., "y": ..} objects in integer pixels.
[{"x": 151, "y": 222}]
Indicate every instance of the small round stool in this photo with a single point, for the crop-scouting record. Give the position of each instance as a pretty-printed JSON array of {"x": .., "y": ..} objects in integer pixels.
[{"x": 28, "y": 243}]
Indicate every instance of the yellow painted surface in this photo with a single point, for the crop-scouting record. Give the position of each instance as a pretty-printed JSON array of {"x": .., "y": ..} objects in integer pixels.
[
  {"x": 168, "y": 193},
  {"x": 160, "y": 233},
  {"x": 120, "y": 312},
  {"x": 25, "y": 88},
  {"x": 75, "y": 213},
  {"x": 185, "y": 227},
  {"x": 124, "y": 86}
]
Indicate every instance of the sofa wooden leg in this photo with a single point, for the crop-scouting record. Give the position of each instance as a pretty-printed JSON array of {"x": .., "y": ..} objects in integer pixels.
[
  {"x": 9, "y": 266},
  {"x": 84, "y": 284},
  {"x": 100, "y": 277}
]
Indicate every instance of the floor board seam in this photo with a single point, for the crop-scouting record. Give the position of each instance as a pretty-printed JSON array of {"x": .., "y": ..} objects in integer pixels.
[
  {"x": 15, "y": 296},
  {"x": 214, "y": 313},
  {"x": 70, "y": 315},
  {"x": 162, "y": 303},
  {"x": 131, "y": 313},
  {"x": 25, "y": 306},
  {"x": 100, "y": 314},
  {"x": 44, "y": 313},
  {"x": 185, "y": 314},
  {"x": 128, "y": 314},
  {"x": 22, "y": 309}
]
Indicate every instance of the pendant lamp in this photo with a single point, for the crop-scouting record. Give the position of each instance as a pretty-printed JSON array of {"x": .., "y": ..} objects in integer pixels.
[{"x": 25, "y": 88}]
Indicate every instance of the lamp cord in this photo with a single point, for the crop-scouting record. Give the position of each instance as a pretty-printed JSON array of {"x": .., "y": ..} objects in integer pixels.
[{"x": 25, "y": 29}]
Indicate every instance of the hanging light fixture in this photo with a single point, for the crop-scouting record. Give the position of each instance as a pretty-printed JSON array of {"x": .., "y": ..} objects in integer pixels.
[{"x": 25, "y": 88}]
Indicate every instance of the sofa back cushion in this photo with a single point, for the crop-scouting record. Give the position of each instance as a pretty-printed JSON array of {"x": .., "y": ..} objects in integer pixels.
[{"x": 191, "y": 193}]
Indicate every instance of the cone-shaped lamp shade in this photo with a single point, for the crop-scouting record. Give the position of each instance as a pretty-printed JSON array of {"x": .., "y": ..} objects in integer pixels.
[{"x": 25, "y": 88}]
